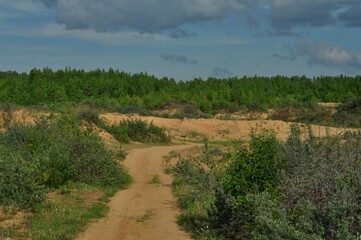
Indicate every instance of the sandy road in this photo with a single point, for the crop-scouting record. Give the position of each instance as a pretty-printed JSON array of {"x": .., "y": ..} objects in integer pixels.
[{"x": 145, "y": 210}]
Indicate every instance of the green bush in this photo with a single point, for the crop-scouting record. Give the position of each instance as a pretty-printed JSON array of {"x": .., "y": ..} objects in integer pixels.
[
  {"x": 194, "y": 180},
  {"x": 301, "y": 189},
  {"x": 325, "y": 175},
  {"x": 255, "y": 168},
  {"x": 20, "y": 184},
  {"x": 139, "y": 131},
  {"x": 89, "y": 115},
  {"x": 52, "y": 153},
  {"x": 271, "y": 221}
]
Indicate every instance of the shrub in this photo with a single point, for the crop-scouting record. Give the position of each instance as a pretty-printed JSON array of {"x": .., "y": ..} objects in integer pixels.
[
  {"x": 138, "y": 130},
  {"x": 325, "y": 174},
  {"x": 52, "y": 153},
  {"x": 89, "y": 115},
  {"x": 193, "y": 185},
  {"x": 300, "y": 189},
  {"x": 255, "y": 168},
  {"x": 272, "y": 222},
  {"x": 19, "y": 181}
]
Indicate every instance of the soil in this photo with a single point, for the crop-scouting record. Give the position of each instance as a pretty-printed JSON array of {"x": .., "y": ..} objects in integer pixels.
[
  {"x": 146, "y": 210},
  {"x": 221, "y": 130}
]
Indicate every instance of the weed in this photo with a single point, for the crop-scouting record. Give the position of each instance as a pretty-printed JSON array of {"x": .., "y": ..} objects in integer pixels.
[
  {"x": 223, "y": 132},
  {"x": 146, "y": 216},
  {"x": 155, "y": 179},
  {"x": 194, "y": 135},
  {"x": 63, "y": 216},
  {"x": 168, "y": 170}
]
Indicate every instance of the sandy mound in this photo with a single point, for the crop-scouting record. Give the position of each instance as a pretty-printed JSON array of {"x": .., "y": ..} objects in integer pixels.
[
  {"x": 22, "y": 116},
  {"x": 220, "y": 130}
]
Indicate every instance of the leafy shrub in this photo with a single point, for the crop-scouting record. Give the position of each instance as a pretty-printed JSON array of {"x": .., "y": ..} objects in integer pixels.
[
  {"x": 6, "y": 113},
  {"x": 134, "y": 108},
  {"x": 138, "y": 130},
  {"x": 255, "y": 168},
  {"x": 325, "y": 174},
  {"x": 301, "y": 189},
  {"x": 255, "y": 107},
  {"x": 193, "y": 185},
  {"x": 272, "y": 222},
  {"x": 52, "y": 153},
  {"x": 89, "y": 115},
  {"x": 19, "y": 181},
  {"x": 190, "y": 110}
]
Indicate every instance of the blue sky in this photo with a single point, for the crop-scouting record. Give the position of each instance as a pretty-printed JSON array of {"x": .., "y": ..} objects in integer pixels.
[{"x": 184, "y": 39}]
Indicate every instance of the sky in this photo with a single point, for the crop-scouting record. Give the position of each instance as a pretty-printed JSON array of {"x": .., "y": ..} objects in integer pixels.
[{"x": 184, "y": 39}]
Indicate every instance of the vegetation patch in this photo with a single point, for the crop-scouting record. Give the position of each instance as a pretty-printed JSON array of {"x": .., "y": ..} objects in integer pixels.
[
  {"x": 63, "y": 216},
  {"x": 123, "y": 92},
  {"x": 139, "y": 131},
  {"x": 149, "y": 214},
  {"x": 155, "y": 179},
  {"x": 299, "y": 189},
  {"x": 49, "y": 156}
]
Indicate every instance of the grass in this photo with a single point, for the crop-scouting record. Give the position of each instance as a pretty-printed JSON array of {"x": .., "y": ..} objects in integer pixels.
[
  {"x": 168, "y": 170},
  {"x": 63, "y": 216},
  {"x": 193, "y": 135},
  {"x": 146, "y": 216},
  {"x": 7, "y": 232},
  {"x": 155, "y": 179}
]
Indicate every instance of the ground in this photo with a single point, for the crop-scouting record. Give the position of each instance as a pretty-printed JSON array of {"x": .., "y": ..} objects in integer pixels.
[{"x": 147, "y": 209}]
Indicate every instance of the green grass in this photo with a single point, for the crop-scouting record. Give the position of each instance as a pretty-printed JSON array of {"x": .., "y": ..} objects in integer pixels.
[
  {"x": 7, "y": 232},
  {"x": 168, "y": 170},
  {"x": 146, "y": 216},
  {"x": 65, "y": 215},
  {"x": 155, "y": 179}
]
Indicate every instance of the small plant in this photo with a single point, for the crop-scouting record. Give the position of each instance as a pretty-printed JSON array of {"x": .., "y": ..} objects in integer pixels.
[
  {"x": 195, "y": 135},
  {"x": 121, "y": 154},
  {"x": 146, "y": 216},
  {"x": 89, "y": 115},
  {"x": 6, "y": 113},
  {"x": 155, "y": 179},
  {"x": 168, "y": 170},
  {"x": 223, "y": 132}
]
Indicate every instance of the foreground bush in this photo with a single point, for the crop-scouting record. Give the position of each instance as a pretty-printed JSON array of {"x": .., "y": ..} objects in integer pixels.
[
  {"x": 300, "y": 189},
  {"x": 49, "y": 154}
]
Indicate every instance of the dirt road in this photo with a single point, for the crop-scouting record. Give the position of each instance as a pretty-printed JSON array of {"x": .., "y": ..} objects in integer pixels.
[{"x": 146, "y": 210}]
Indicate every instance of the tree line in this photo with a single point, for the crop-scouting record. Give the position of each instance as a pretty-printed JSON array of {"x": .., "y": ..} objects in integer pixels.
[{"x": 117, "y": 88}]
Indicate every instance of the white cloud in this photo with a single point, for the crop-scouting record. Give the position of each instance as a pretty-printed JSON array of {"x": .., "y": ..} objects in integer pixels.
[{"x": 322, "y": 53}]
